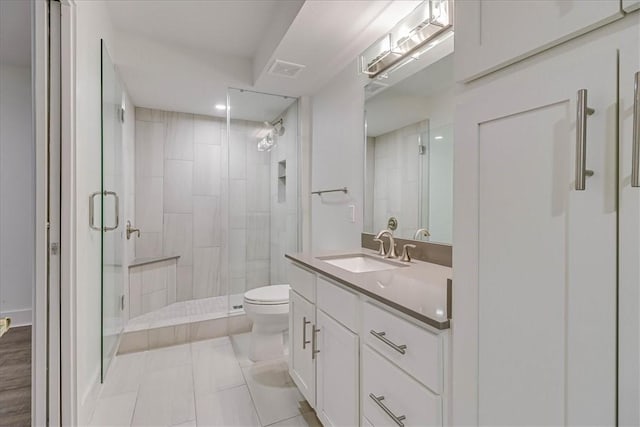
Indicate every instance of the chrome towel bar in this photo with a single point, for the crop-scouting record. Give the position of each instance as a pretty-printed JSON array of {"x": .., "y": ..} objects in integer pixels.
[{"x": 335, "y": 190}]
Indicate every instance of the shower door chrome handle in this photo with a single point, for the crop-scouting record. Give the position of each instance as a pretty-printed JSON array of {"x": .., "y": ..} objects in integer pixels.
[
  {"x": 92, "y": 223},
  {"x": 117, "y": 209},
  {"x": 635, "y": 151},
  {"x": 305, "y": 322},
  {"x": 581, "y": 140}
]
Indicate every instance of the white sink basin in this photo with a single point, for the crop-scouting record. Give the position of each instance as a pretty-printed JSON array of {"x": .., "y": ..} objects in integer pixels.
[{"x": 360, "y": 263}]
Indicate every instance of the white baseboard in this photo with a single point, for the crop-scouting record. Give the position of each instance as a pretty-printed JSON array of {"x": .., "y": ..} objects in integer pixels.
[{"x": 19, "y": 317}]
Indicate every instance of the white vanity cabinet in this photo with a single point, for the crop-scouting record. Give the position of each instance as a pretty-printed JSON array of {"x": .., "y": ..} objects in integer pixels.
[
  {"x": 491, "y": 34},
  {"x": 359, "y": 350},
  {"x": 302, "y": 320},
  {"x": 337, "y": 373},
  {"x": 536, "y": 256}
]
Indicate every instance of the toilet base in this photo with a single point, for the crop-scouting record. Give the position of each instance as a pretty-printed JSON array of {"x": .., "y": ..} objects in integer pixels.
[{"x": 265, "y": 344}]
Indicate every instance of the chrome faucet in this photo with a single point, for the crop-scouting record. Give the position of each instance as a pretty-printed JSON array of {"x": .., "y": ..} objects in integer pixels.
[
  {"x": 391, "y": 253},
  {"x": 422, "y": 232}
]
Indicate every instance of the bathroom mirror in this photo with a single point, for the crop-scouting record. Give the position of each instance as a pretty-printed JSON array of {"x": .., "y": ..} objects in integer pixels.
[{"x": 409, "y": 150}]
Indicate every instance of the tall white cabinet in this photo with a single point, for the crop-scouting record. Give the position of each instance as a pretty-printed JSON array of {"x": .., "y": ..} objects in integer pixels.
[
  {"x": 491, "y": 34},
  {"x": 537, "y": 276},
  {"x": 629, "y": 236}
]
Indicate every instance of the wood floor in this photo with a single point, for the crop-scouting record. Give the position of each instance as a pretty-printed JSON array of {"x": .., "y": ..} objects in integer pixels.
[{"x": 15, "y": 377}]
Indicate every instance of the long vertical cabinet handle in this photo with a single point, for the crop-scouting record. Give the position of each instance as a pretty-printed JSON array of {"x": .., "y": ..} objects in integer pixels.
[
  {"x": 117, "y": 208},
  {"x": 635, "y": 152},
  {"x": 305, "y": 322},
  {"x": 314, "y": 342},
  {"x": 581, "y": 140},
  {"x": 92, "y": 222}
]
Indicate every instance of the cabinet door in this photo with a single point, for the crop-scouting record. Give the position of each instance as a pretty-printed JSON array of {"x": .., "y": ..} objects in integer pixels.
[
  {"x": 338, "y": 373},
  {"x": 629, "y": 241},
  {"x": 301, "y": 363},
  {"x": 535, "y": 277},
  {"x": 630, "y": 5},
  {"x": 490, "y": 34}
]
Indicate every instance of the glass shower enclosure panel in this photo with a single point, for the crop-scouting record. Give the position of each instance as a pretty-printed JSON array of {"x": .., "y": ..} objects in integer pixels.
[
  {"x": 263, "y": 191},
  {"x": 112, "y": 279}
]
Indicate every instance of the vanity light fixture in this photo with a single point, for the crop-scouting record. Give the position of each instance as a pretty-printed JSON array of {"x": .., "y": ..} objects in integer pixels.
[{"x": 408, "y": 39}]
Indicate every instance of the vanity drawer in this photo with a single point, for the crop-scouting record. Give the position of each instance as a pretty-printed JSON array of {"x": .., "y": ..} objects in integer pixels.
[
  {"x": 422, "y": 356},
  {"x": 302, "y": 281},
  {"x": 384, "y": 384},
  {"x": 337, "y": 302}
]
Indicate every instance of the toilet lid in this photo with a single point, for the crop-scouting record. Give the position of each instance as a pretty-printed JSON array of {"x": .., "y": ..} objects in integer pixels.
[{"x": 274, "y": 294}]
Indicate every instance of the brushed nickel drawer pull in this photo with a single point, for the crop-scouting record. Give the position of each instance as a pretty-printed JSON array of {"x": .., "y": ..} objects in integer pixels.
[
  {"x": 381, "y": 336},
  {"x": 635, "y": 155},
  {"x": 314, "y": 343},
  {"x": 305, "y": 322},
  {"x": 398, "y": 420},
  {"x": 581, "y": 140}
]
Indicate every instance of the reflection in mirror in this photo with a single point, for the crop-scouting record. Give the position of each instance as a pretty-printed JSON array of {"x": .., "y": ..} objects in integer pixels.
[{"x": 409, "y": 154}]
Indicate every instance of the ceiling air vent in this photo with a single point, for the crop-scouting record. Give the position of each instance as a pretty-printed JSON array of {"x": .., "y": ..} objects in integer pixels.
[
  {"x": 374, "y": 87},
  {"x": 285, "y": 69}
]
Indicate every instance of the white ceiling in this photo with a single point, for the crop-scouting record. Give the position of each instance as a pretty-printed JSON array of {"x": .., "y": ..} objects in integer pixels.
[
  {"x": 183, "y": 55},
  {"x": 15, "y": 34},
  {"x": 227, "y": 27}
]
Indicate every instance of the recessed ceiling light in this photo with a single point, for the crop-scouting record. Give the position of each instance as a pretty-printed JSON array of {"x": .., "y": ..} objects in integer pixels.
[{"x": 221, "y": 107}]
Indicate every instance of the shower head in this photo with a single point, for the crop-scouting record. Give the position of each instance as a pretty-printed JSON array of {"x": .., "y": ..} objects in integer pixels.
[{"x": 277, "y": 126}]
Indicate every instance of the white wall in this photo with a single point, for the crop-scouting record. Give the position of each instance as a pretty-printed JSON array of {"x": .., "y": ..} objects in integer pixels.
[
  {"x": 17, "y": 195},
  {"x": 337, "y": 161}
]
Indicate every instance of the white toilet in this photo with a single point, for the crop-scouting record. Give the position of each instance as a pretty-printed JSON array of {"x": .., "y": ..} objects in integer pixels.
[{"x": 268, "y": 308}]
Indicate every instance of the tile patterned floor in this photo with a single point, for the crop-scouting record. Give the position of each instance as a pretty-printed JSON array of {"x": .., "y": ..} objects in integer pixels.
[{"x": 204, "y": 383}]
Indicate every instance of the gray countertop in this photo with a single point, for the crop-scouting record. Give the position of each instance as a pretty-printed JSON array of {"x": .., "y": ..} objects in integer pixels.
[{"x": 421, "y": 290}]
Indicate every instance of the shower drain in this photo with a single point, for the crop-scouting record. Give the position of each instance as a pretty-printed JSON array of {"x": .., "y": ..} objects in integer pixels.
[{"x": 237, "y": 307}]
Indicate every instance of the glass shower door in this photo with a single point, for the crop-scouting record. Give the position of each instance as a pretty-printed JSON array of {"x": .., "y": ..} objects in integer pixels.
[{"x": 112, "y": 278}]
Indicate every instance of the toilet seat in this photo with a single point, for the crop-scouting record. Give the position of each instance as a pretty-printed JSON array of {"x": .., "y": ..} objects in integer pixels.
[{"x": 268, "y": 295}]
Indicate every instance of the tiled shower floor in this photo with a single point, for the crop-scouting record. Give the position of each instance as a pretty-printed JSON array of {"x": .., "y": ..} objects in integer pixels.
[{"x": 187, "y": 312}]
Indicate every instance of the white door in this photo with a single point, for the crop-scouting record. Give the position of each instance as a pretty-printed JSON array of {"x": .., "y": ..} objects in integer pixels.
[
  {"x": 629, "y": 237},
  {"x": 490, "y": 34},
  {"x": 337, "y": 373},
  {"x": 301, "y": 361},
  {"x": 630, "y": 5},
  {"x": 535, "y": 324}
]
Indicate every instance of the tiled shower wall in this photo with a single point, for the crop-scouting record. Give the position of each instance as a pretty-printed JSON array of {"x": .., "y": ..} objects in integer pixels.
[
  {"x": 180, "y": 197},
  {"x": 284, "y": 196},
  {"x": 181, "y": 201},
  {"x": 249, "y": 207}
]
